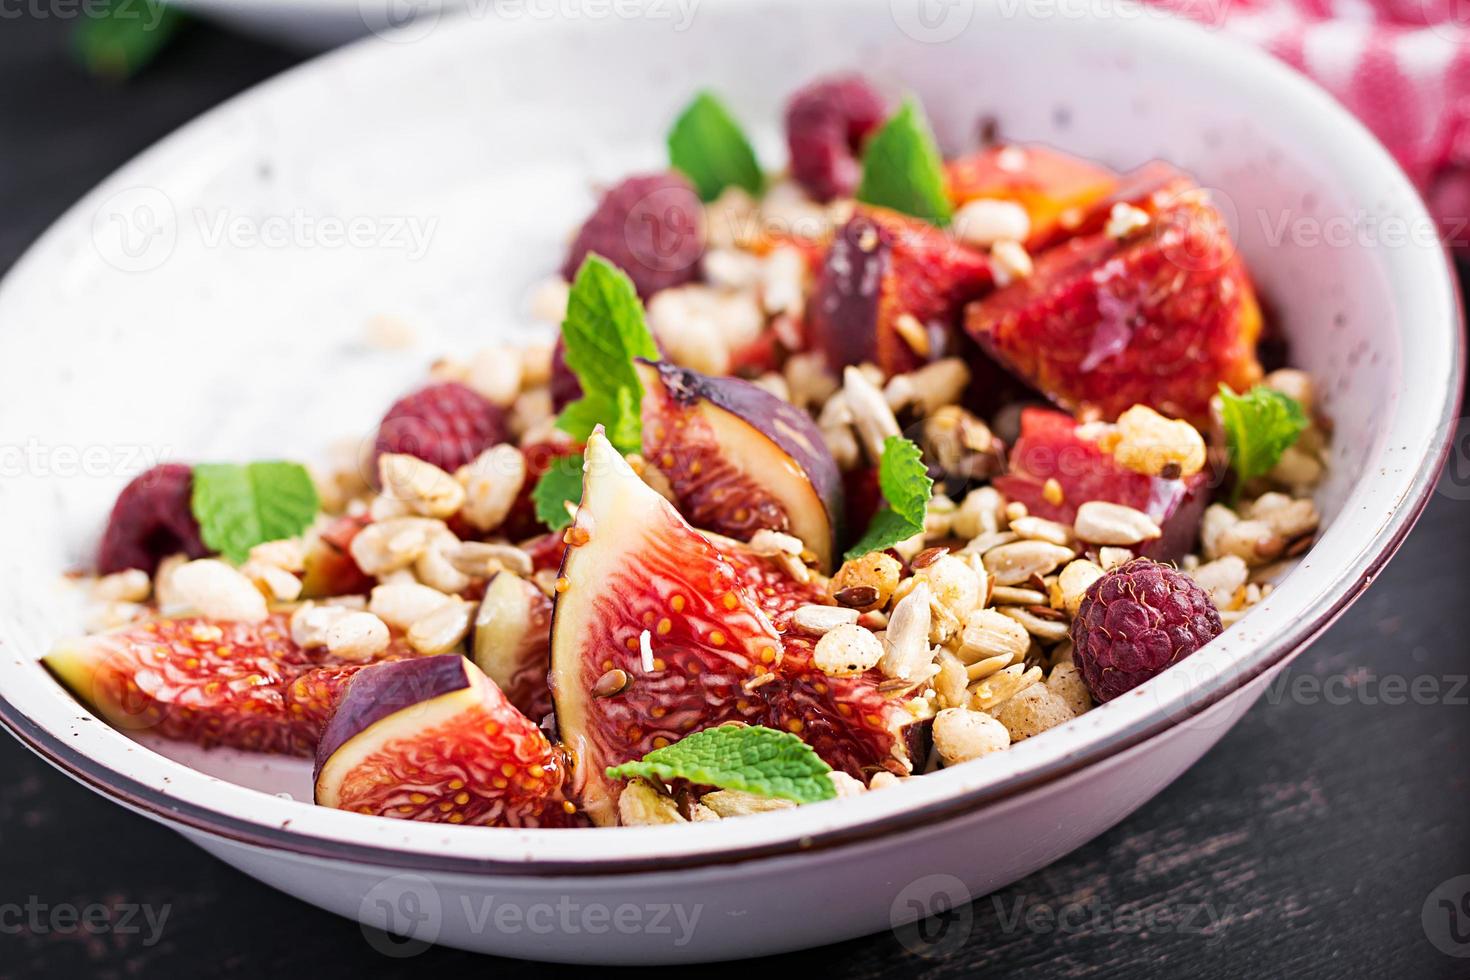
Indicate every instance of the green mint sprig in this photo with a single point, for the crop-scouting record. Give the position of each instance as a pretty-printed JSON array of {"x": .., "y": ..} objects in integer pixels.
[
  {"x": 902, "y": 168},
  {"x": 559, "y": 485},
  {"x": 239, "y": 507},
  {"x": 604, "y": 331},
  {"x": 906, "y": 487},
  {"x": 707, "y": 145},
  {"x": 753, "y": 759},
  {"x": 1260, "y": 425}
]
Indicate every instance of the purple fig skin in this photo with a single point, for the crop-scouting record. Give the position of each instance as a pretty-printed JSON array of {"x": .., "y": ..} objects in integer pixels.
[
  {"x": 790, "y": 428},
  {"x": 378, "y": 691},
  {"x": 843, "y": 322}
]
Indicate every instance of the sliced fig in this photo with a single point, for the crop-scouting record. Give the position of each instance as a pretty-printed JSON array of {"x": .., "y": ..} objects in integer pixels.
[
  {"x": 1158, "y": 318},
  {"x": 882, "y": 266},
  {"x": 1051, "y": 448},
  {"x": 739, "y": 458},
  {"x": 434, "y": 739},
  {"x": 243, "y": 685},
  {"x": 513, "y": 642},
  {"x": 657, "y": 633},
  {"x": 1052, "y": 186}
]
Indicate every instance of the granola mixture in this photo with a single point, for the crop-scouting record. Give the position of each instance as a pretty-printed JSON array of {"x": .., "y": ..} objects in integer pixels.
[{"x": 895, "y": 477}]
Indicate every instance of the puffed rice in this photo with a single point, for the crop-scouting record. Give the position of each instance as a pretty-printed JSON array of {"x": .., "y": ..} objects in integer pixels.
[
  {"x": 215, "y": 590},
  {"x": 424, "y": 487},
  {"x": 847, "y": 650},
  {"x": 961, "y": 735}
]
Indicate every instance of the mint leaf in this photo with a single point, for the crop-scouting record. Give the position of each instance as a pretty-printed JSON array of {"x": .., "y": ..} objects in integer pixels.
[
  {"x": 708, "y": 146},
  {"x": 754, "y": 759},
  {"x": 906, "y": 487},
  {"x": 561, "y": 482},
  {"x": 604, "y": 330},
  {"x": 119, "y": 38},
  {"x": 1259, "y": 426},
  {"x": 239, "y": 507},
  {"x": 902, "y": 168}
]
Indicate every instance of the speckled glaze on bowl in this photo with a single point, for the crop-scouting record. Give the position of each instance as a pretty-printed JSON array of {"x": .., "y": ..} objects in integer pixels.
[{"x": 151, "y": 321}]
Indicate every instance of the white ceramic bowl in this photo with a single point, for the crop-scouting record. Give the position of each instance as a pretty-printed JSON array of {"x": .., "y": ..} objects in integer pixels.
[{"x": 152, "y": 320}]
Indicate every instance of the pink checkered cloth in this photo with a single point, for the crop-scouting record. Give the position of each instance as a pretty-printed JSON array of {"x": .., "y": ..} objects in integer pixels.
[{"x": 1402, "y": 66}]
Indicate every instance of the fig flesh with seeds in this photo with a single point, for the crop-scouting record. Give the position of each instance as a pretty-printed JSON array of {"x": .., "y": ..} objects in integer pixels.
[
  {"x": 659, "y": 632},
  {"x": 241, "y": 685},
  {"x": 740, "y": 459},
  {"x": 435, "y": 740}
]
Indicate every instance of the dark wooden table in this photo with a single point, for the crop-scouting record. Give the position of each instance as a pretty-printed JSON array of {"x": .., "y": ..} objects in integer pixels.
[{"x": 1308, "y": 843}]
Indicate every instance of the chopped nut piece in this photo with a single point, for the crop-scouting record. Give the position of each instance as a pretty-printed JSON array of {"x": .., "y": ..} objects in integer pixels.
[
  {"x": 979, "y": 513},
  {"x": 1252, "y": 541},
  {"x": 640, "y": 805},
  {"x": 277, "y": 583},
  {"x": 387, "y": 546},
  {"x": 1294, "y": 384},
  {"x": 1111, "y": 558},
  {"x": 424, "y": 487},
  {"x": 769, "y": 543},
  {"x": 989, "y": 633},
  {"x": 132, "y": 585},
  {"x": 1290, "y": 518},
  {"x": 1222, "y": 578},
  {"x": 1103, "y": 522},
  {"x": 1003, "y": 685},
  {"x": 906, "y": 642},
  {"x": 214, "y": 590},
  {"x": 738, "y": 803},
  {"x": 1048, "y": 630},
  {"x": 961, "y": 735},
  {"x": 822, "y": 619},
  {"x": 846, "y": 785},
  {"x": 1124, "y": 220},
  {"x": 548, "y": 300},
  {"x": 847, "y": 650},
  {"x": 401, "y": 604},
  {"x": 481, "y": 559},
  {"x": 985, "y": 221},
  {"x": 492, "y": 482},
  {"x": 955, "y": 590},
  {"x": 1011, "y": 595},
  {"x": 1074, "y": 581},
  {"x": 871, "y": 415},
  {"x": 358, "y": 636},
  {"x": 1010, "y": 262},
  {"x": 443, "y": 629},
  {"x": 951, "y": 684},
  {"x": 287, "y": 553},
  {"x": 1012, "y": 564},
  {"x": 1041, "y": 529},
  {"x": 495, "y": 374}
]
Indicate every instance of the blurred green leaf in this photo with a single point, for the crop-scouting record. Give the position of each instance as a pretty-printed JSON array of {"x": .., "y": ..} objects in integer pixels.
[{"x": 117, "y": 39}]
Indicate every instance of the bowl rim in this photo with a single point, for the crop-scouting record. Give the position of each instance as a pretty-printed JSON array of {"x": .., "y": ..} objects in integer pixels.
[{"x": 315, "y": 832}]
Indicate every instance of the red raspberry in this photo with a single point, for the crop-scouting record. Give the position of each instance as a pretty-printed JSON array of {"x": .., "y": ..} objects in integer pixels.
[
  {"x": 1136, "y": 620},
  {"x": 651, "y": 227},
  {"x": 151, "y": 520},
  {"x": 445, "y": 424},
  {"x": 826, "y": 125}
]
